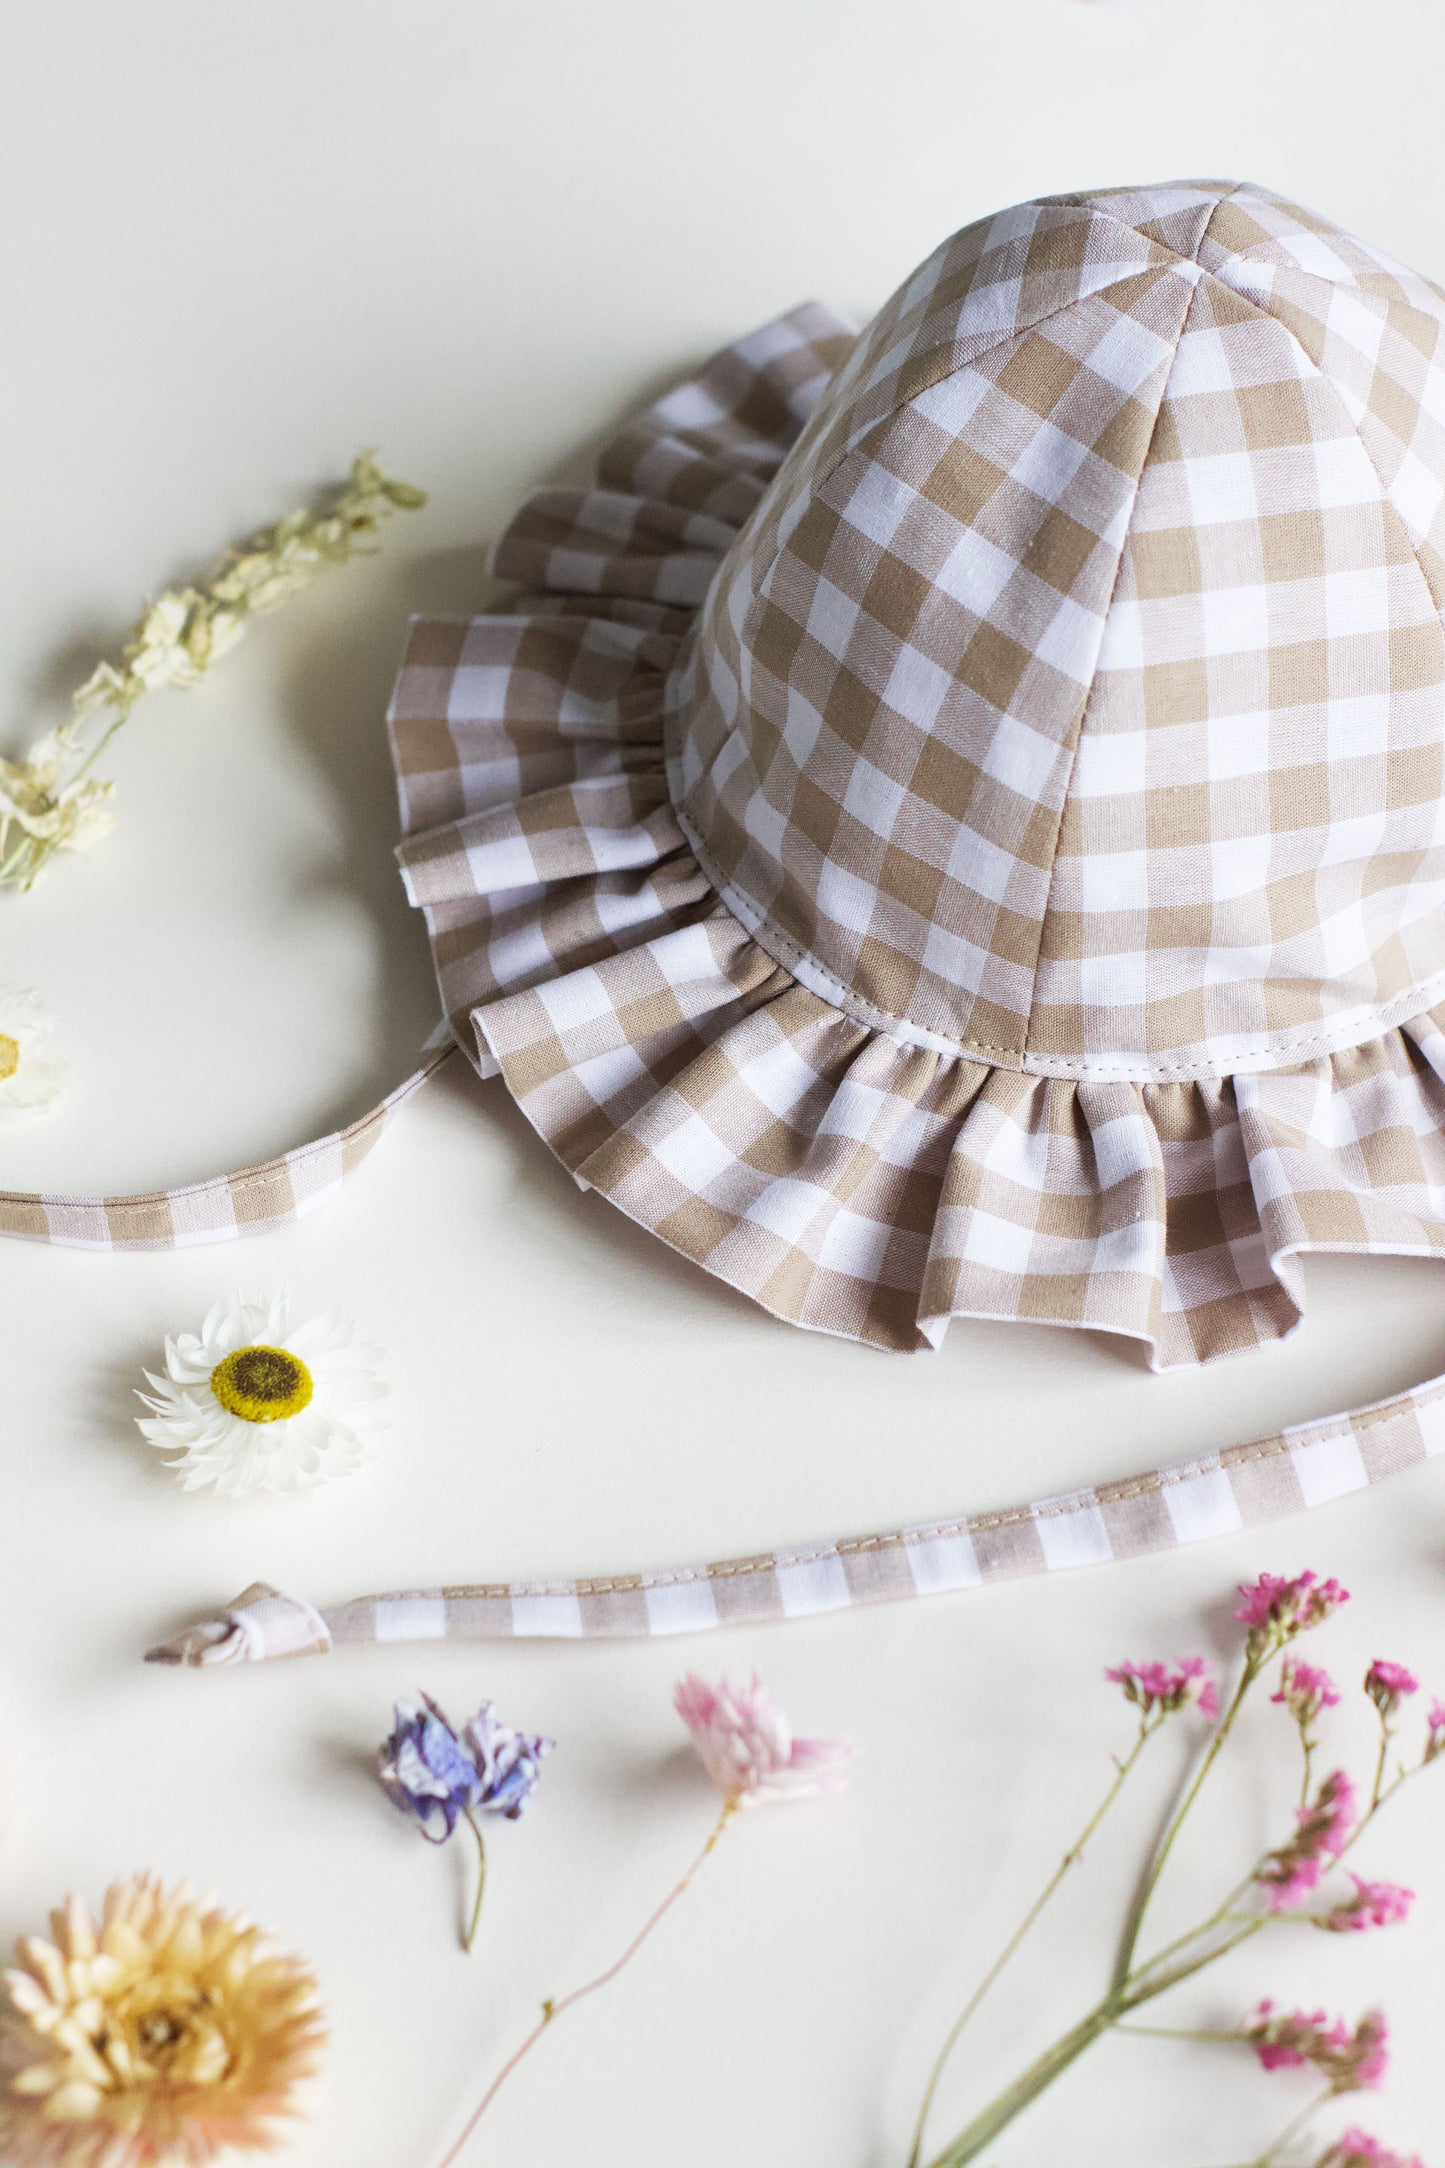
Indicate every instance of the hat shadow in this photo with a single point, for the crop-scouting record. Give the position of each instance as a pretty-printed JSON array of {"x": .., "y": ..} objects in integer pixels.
[{"x": 332, "y": 699}]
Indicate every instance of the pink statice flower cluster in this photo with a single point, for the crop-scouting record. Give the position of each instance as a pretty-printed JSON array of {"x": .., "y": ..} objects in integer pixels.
[
  {"x": 1276, "y": 1608},
  {"x": 1350, "y": 2059},
  {"x": 1305, "y": 1689},
  {"x": 1355, "y": 2148},
  {"x": 747, "y": 1745},
  {"x": 1388, "y": 1685},
  {"x": 1374, "y": 1904},
  {"x": 1435, "y": 1724},
  {"x": 1162, "y": 1689},
  {"x": 1323, "y": 1827}
]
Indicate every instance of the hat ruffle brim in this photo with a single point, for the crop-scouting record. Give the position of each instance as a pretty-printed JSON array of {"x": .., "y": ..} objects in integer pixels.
[{"x": 845, "y": 1181}]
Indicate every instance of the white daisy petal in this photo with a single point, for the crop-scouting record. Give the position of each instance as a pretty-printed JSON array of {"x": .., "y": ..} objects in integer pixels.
[
  {"x": 248, "y": 1405},
  {"x": 32, "y": 1074}
]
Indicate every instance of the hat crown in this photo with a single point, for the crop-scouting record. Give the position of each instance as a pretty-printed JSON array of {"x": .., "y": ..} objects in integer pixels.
[{"x": 1075, "y": 697}]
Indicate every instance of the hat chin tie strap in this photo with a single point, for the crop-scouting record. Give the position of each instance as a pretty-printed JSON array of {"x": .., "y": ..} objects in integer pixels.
[
  {"x": 251, "y": 1202},
  {"x": 260, "y": 1624},
  {"x": 1163, "y": 1509},
  {"x": 1182, "y": 1503}
]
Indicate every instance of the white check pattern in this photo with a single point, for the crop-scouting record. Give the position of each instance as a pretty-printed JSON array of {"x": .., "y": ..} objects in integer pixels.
[
  {"x": 963, "y": 678},
  {"x": 1220, "y": 1494},
  {"x": 255, "y": 1200},
  {"x": 1077, "y": 699}
]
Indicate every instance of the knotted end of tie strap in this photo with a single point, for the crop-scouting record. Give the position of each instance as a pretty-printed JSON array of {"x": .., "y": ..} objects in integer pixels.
[{"x": 261, "y": 1623}]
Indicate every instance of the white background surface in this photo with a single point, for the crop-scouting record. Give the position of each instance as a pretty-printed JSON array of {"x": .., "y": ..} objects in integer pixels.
[{"x": 239, "y": 244}]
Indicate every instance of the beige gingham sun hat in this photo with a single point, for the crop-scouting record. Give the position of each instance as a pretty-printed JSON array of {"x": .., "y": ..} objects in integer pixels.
[{"x": 954, "y": 823}]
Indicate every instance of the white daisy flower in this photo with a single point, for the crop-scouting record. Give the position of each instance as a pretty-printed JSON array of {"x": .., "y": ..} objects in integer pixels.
[
  {"x": 31, "y": 1075},
  {"x": 253, "y": 1403}
]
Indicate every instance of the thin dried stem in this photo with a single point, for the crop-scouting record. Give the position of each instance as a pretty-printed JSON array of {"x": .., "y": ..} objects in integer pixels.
[{"x": 552, "y": 2010}]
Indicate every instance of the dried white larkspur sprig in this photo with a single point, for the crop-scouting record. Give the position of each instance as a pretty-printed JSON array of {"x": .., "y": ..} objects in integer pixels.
[
  {"x": 47, "y": 805},
  {"x": 50, "y": 801},
  {"x": 251, "y": 1402},
  {"x": 32, "y": 1074}
]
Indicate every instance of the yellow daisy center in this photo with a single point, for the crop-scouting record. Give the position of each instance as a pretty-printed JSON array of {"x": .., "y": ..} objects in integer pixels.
[
  {"x": 262, "y": 1384},
  {"x": 9, "y": 1056}
]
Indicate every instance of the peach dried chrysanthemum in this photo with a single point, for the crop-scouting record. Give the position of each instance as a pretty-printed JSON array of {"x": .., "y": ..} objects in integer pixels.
[{"x": 164, "y": 2032}]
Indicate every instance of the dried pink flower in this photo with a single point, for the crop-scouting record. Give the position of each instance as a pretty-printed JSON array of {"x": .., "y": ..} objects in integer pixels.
[
  {"x": 1292, "y": 1873},
  {"x": 1276, "y": 1609},
  {"x": 1156, "y": 1688},
  {"x": 1374, "y": 1904},
  {"x": 1305, "y": 1689},
  {"x": 747, "y": 1745},
  {"x": 1389, "y": 1684},
  {"x": 1355, "y": 2148},
  {"x": 1352, "y": 2061},
  {"x": 1289, "y": 2039},
  {"x": 1369, "y": 2055},
  {"x": 1435, "y": 1743}
]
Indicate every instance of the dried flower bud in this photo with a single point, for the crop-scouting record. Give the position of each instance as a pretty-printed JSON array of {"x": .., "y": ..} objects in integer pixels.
[
  {"x": 1292, "y": 1873},
  {"x": 1275, "y": 1609},
  {"x": 1350, "y": 2061},
  {"x": 1388, "y": 1685},
  {"x": 1156, "y": 1689},
  {"x": 1374, "y": 1904},
  {"x": 1435, "y": 1741},
  {"x": 1305, "y": 1690},
  {"x": 1354, "y": 2148}
]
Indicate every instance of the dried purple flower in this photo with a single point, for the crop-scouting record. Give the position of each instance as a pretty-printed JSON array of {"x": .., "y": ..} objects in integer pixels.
[
  {"x": 426, "y": 1771},
  {"x": 441, "y": 1776},
  {"x": 506, "y": 1763}
]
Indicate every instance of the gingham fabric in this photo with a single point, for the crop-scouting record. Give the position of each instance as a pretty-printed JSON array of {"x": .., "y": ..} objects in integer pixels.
[
  {"x": 1077, "y": 699},
  {"x": 1221, "y": 1494},
  {"x": 1039, "y": 914},
  {"x": 251, "y": 1202}
]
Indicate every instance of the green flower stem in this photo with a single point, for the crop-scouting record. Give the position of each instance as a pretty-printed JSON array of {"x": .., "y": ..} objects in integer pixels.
[
  {"x": 1134, "y": 1985},
  {"x": 1223, "y": 1915},
  {"x": 1377, "y": 1792},
  {"x": 476, "y": 1920},
  {"x": 1139, "y": 1910},
  {"x": 1179, "y": 2032},
  {"x": 1070, "y": 1859},
  {"x": 1294, "y": 2128},
  {"x": 122, "y": 710},
  {"x": 1138, "y": 1990},
  {"x": 1026, "y": 2089},
  {"x": 1130, "y": 1995}
]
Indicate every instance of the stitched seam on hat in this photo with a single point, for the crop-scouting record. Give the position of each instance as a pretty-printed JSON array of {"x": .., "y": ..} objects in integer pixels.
[
  {"x": 1240, "y": 255},
  {"x": 1094, "y": 677},
  {"x": 1437, "y": 603},
  {"x": 957, "y": 368},
  {"x": 1310, "y": 363},
  {"x": 1414, "y": 1001}
]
